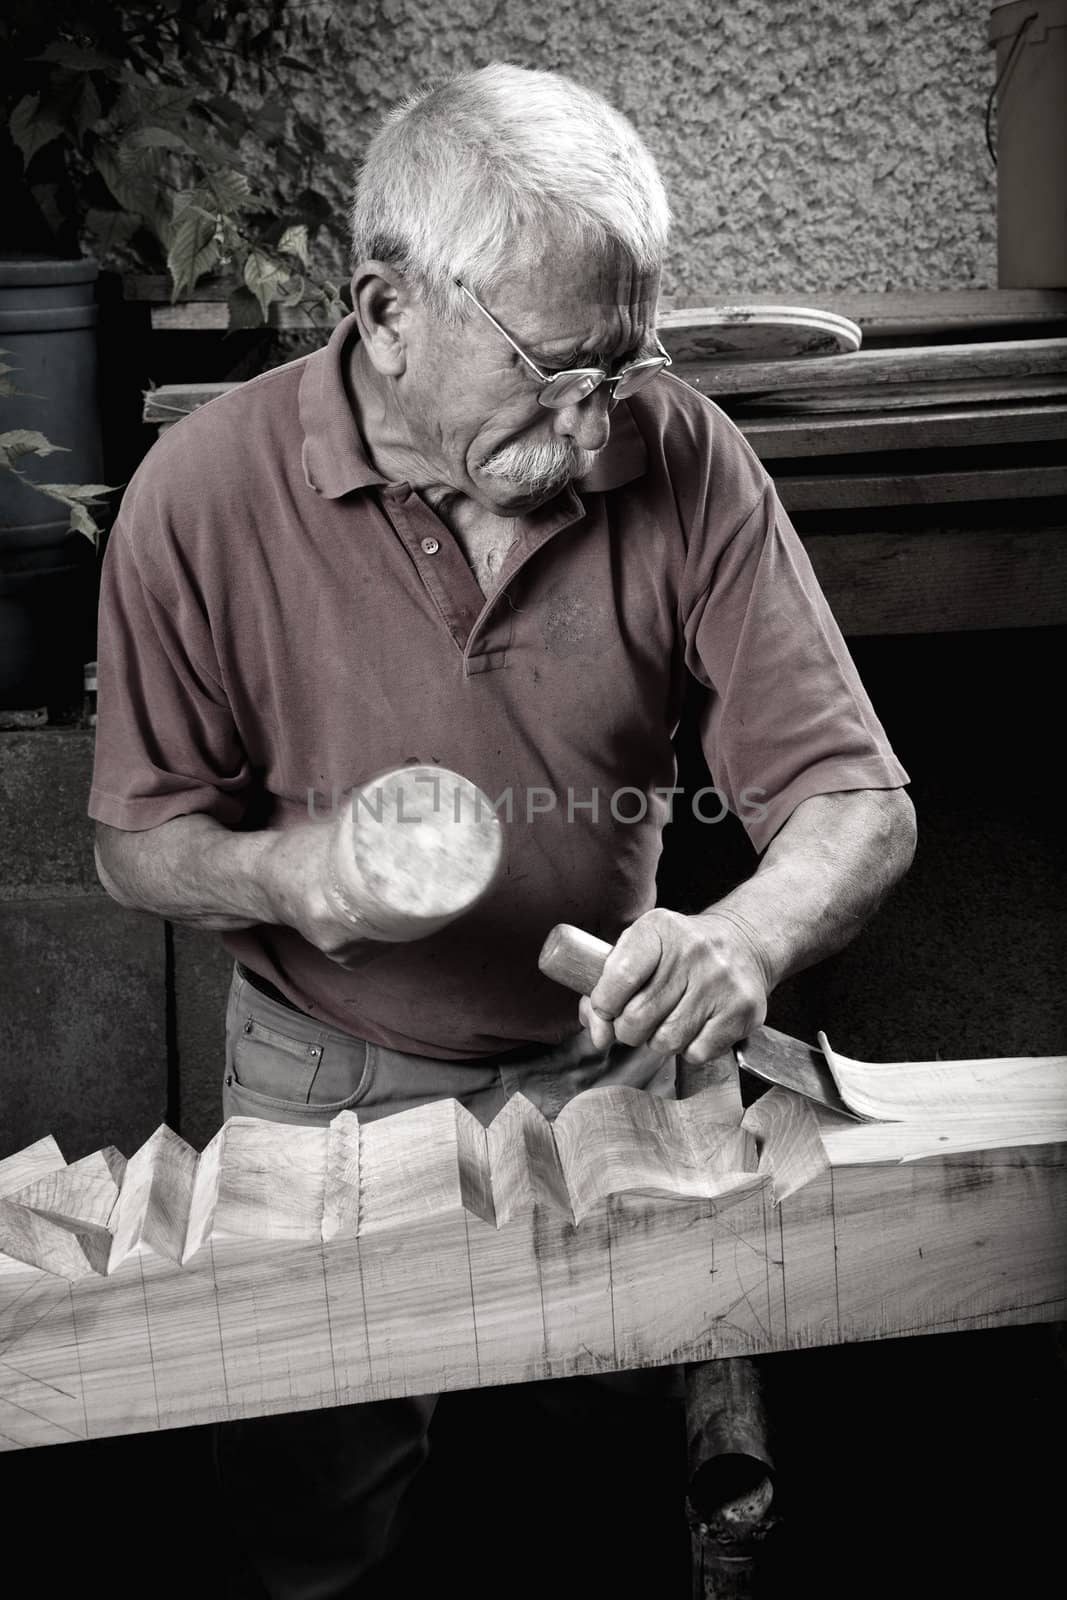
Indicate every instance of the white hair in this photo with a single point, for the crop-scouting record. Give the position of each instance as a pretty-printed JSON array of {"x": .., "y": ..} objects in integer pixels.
[{"x": 461, "y": 169}]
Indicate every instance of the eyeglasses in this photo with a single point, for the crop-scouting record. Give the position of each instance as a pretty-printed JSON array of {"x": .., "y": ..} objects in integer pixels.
[{"x": 577, "y": 383}]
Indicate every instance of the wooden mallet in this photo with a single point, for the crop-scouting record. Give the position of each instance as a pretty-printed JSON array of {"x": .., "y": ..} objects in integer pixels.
[{"x": 412, "y": 850}]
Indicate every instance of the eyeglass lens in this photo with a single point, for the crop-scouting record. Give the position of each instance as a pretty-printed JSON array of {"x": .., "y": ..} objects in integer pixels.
[{"x": 569, "y": 388}]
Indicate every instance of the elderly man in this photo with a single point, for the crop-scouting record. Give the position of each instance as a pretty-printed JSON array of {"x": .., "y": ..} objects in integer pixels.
[{"x": 483, "y": 527}]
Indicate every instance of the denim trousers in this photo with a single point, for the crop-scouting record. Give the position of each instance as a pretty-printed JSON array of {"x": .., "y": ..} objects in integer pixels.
[{"x": 314, "y": 1496}]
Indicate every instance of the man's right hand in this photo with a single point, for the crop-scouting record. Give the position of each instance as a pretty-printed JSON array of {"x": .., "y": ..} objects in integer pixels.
[
  {"x": 300, "y": 876},
  {"x": 193, "y": 870},
  {"x": 407, "y": 854}
]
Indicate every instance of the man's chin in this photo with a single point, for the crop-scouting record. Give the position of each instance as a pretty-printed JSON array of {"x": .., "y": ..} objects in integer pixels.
[{"x": 522, "y": 496}]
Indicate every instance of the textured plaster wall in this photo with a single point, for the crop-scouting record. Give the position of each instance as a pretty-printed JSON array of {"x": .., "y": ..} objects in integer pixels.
[{"x": 807, "y": 145}]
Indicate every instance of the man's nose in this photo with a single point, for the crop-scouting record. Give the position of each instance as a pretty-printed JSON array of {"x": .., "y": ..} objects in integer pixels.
[{"x": 587, "y": 423}]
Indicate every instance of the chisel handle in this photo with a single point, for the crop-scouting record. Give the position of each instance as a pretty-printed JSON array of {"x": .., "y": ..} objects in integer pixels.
[{"x": 574, "y": 958}]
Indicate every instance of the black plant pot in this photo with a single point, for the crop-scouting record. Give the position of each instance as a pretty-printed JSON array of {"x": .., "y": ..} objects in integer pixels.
[
  {"x": 47, "y": 617},
  {"x": 47, "y": 575}
]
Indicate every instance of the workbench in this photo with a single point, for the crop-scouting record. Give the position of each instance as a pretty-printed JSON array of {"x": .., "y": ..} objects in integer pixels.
[{"x": 292, "y": 1268}]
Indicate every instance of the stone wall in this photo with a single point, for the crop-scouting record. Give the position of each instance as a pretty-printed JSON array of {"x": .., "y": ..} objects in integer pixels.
[
  {"x": 808, "y": 146},
  {"x": 91, "y": 994}
]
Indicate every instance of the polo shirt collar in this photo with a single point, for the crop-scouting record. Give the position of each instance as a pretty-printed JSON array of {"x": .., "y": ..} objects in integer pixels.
[{"x": 335, "y": 457}]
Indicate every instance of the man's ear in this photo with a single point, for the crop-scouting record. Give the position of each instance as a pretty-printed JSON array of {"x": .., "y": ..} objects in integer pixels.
[{"x": 380, "y": 298}]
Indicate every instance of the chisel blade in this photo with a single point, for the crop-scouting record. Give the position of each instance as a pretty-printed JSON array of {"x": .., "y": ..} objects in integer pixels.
[{"x": 778, "y": 1058}]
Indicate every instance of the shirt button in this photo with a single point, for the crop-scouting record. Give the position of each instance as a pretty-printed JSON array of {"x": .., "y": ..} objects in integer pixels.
[{"x": 431, "y": 546}]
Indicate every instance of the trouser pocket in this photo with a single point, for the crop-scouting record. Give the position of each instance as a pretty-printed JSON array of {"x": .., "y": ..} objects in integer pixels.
[{"x": 285, "y": 1067}]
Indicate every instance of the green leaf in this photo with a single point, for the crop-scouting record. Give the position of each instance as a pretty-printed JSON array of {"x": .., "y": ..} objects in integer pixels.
[
  {"x": 30, "y": 128},
  {"x": 194, "y": 249},
  {"x": 231, "y": 191},
  {"x": 245, "y": 310},
  {"x": 294, "y": 242},
  {"x": 83, "y": 521},
  {"x": 88, "y": 109},
  {"x": 296, "y": 65},
  {"x": 226, "y": 110},
  {"x": 265, "y": 278},
  {"x": 140, "y": 165},
  {"x": 75, "y": 59},
  {"x": 135, "y": 185},
  {"x": 156, "y": 139},
  {"x": 295, "y": 295},
  {"x": 76, "y": 493},
  {"x": 141, "y": 103},
  {"x": 45, "y": 194},
  {"x": 25, "y": 442},
  {"x": 77, "y": 497}
]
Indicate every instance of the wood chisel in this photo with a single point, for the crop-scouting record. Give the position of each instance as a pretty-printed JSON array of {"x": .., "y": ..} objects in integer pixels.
[{"x": 576, "y": 959}]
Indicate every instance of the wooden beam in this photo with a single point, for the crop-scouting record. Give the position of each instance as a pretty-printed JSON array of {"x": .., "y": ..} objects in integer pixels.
[
  {"x": 915, "y": 313},
  {"x": 423, "y": 1252},
  {"x": 212, "y": 316},
  {"x": 912, "y": 365},
  {"x": 172, "y": 401},
  {"x": 944, "y": 580},
  {"x": 880, "y": 314},
  {"x": 773, "y": 438},
  {"x": 208, "y": 311},
  {"x": 849, "y": 491}
]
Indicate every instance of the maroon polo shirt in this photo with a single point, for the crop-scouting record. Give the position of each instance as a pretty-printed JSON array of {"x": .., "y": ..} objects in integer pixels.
[{"x": 280, "y": 624}]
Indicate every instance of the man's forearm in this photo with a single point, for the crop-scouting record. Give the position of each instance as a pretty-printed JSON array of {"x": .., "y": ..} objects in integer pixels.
[
  {"x": 190, "y": 870},
  {"x": 823, "y": 875}
]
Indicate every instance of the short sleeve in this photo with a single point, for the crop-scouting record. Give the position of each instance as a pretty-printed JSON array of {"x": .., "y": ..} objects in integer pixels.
[
  {"x": 786, "y": 715},
  {"x": 166, "y": 743}
]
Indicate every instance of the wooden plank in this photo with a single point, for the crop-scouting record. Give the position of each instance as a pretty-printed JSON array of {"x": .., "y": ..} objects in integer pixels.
[
  {"x": 208, "y": 311},
  {"x": 943, "y": 581},
  {"x": 915, "y": 364},
  {"x": 890, "y": 397},
  {"x": 209, "y": 316},
  {"x": 40, "y": 1363},
  {"x": 776, "y": 437},
  {"x": 212, "y": 316},
  {"x": 186, "y": 1339},
  {"x": 112, "y": 1352},
  {"x": 526, "y": 1181},
  {"x": 918, "y": 312},
  {"x": 171, "y": 401},
  {"x": 848, "y": 491},
  {"x": 880, "y": 314},
  {"x": 928, "y": 1228},
  {"x": 846, "y": 433},
  {"x": 408, "y": 1248}
]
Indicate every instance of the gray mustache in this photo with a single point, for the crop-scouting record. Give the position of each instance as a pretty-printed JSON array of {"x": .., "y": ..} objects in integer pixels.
[{"x": 539, "y": 465}]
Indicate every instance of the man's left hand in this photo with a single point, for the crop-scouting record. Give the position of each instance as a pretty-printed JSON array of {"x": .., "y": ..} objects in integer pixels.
[{"x": 689, "y": 986}]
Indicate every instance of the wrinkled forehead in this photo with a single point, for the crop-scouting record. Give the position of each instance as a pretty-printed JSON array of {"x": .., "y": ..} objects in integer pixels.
[{"x": 553, "y": 292}]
